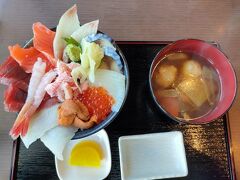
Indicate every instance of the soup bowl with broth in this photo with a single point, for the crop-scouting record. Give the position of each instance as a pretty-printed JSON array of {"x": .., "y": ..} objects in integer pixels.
[{"x": 192, "y": 81}]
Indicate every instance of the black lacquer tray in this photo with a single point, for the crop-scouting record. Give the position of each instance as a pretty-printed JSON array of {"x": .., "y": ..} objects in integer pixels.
[{"x": 208, "y": 147}]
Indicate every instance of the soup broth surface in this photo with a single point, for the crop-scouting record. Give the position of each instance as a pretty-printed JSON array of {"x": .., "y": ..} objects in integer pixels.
[{"x": 186, "y": 85}]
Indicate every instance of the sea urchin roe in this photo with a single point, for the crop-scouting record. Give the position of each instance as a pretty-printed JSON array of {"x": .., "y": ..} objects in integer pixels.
[{"x": 98, "y": 102}]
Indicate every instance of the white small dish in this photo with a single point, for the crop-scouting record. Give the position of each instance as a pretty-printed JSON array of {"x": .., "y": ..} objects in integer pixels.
[
  {"x": 67, "y": 172},
  {"x": 152, "y": 156}
]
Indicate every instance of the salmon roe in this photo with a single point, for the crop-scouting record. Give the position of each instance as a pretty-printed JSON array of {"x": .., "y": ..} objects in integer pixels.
[{"x": 98, "y": 102}]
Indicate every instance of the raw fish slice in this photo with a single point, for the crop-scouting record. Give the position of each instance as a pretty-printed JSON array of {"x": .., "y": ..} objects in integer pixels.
[
  {"x": 105, "y": 43},
  {"x": 12, "y": 73},
  {"x": 40, "y": 123},
  {"x": 14, "y": 98},
  {"x": 111, "y": 52},
  {"x": 56, "y": 139},
  {"x": 43, "y": 41},
  {"x": 110, "y": 64},
  {"x": 21, "y": 123},
  {"x": 99, "y": 36},
  {"x": 114, "y": 83},
  {"x": 85, "y": 30},
  {"x": 68, "y": 23},
  {"x": 27, "y": 57}
]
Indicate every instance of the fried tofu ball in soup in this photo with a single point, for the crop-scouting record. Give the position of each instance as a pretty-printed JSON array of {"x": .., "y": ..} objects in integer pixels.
[
  {"x": 166, "y": 75},
  {"x": 192, "y": 68}
]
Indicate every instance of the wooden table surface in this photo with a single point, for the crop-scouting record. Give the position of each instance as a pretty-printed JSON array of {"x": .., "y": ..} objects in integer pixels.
[{"x": 215, "y": 20}]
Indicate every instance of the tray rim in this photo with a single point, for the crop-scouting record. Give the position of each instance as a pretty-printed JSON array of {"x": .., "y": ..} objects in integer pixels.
[{"x": 16, "y": 143}]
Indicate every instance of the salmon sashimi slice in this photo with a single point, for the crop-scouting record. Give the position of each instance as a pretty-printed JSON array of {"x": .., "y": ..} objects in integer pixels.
[
  {"x": 43, "y": 41},
  {"x": 12, "y": 73},
  {"x": 22, "y": 121},
  {"x": 26, "y": 57},
  {"x": 68, "y": 23},
  {"x": 14, "y": 98}
]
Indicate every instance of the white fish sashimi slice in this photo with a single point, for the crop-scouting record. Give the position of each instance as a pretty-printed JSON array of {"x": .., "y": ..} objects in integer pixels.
[
  {"x": 68, "y": 23},
  {"x": 40, "y": 123},
  {"x": 85, "y": 30},
  {"x": 114, "y": 83},
  {"x": 56, "y": 139}
]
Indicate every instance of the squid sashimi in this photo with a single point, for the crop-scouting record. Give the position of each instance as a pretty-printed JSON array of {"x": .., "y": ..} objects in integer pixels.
[
  {"x": 43, "y": 41},
  {"x": 14, "y": 98},
  {"x": 56, "y": 139},
  {"x": 21, "y": 124},
  {"x": 40, "y": 123},
  {"x": 68, "y": 23},
  {"x": 12, "y": 73},
  {"x": 27, "y": 57},
  {"x": 85, "y": 30}
]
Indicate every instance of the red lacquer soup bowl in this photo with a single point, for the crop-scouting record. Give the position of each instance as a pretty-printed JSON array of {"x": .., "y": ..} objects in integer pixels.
[{"x": 219, "y": 61}]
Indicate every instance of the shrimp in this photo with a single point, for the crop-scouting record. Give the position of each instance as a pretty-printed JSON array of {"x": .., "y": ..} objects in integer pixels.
[
  {"x": 38, "y": 71},
  {"x": 36, "y": 93}
]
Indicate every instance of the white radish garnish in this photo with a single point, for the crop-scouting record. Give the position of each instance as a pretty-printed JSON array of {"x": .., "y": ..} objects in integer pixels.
[
  {"x": 85, "y": 30},
  {"x": 56, "y": 139},
  {"x": 40, "y": 123},
  {"x": 68, "y": 23},
  {"x": 114, "y": 83}
]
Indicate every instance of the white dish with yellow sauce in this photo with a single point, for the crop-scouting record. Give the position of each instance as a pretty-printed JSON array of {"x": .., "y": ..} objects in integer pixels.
[{"x": 87, "y": 170}]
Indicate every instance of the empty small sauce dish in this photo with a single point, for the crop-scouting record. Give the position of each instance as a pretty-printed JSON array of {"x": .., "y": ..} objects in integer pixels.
[
  {"x": 87, "y": 158},
  {"x": 152, "y": 156}
]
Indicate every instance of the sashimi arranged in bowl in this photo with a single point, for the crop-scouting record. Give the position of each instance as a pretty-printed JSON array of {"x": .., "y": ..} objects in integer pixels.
[{"x": 64, "y": 85}]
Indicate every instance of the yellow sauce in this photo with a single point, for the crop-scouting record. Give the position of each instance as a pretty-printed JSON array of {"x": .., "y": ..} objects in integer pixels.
[{"x": 86, "y": 153}]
